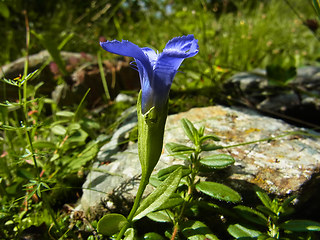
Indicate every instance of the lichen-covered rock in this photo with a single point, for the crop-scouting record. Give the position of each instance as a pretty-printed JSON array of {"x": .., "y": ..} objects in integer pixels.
[{"x": 269, "y": 153}]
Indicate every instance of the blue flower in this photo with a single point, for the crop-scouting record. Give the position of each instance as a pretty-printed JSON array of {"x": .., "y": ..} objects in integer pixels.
[{"x": 156, "y": 70}]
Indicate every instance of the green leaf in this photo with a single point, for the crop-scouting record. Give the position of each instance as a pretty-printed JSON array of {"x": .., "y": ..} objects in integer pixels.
[
  {"x": 59, "y": 130},
  {"x": 153, "y": 236},
  {"x": 316, "y": 5},
  {"x": 238, "y": 231},
  {"x": 209, "y": 137},
  {"x": 77, "y": 138},
  {"x": 161, "y": 216},
  {"x": 218, "y": 191},
  {"x": 44, "y": 144},
  {"x": 175, "y": 147},
  {"x": 196, "y": 230},
  {"x": 190, "y": 130},
  {"x": 266, "y": 211},
  {"x": 280, "y": 75},
  {"x": 129, "y": 234},
  {"x": 4, "y": 10},
  {"x": 201, "y": 132},
  {"x": 171, "y": 203},
  {"x": 285, "y": 205},
  {"x": 159, "y": 196},
  {"x": 217, "y": 161},
  {"x": 154, "y": 181},
  {"x": 301, "y": 225},
  {"x": 164, "y": 173},
  {"x": 264, "y": 198},
  {"x": 251, "y": 215},
  {"x": 111, "y": 224},
  {"x": 210, "y": 147},
  {"x": 85, "y": 156},
  {"x": 73, "y": 127},
  {"x": 66, "y": 114}
]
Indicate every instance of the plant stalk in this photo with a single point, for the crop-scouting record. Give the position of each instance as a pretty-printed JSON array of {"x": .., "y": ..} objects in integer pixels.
[{"x": 142, "y": 186}]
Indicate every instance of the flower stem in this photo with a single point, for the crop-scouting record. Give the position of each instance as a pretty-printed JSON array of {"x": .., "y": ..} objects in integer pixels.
[{"x": 142, "y": 186}]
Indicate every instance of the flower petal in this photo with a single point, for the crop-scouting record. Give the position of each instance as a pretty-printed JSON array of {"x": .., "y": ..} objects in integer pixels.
[
  {"x": 185, "y": 46},
  {"x": 126, "y": 48},
  {"x": 151, "y": 54},
  {"x": 171, "y": 58}
]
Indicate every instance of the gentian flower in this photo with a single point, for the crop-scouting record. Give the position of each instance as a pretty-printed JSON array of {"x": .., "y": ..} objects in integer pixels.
[{"x": 156, "y": 70}]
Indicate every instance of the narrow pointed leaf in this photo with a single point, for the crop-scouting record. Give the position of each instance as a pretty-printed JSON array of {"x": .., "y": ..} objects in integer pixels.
[
  {"x": 171, "y": 203},
  {"x": 159, "y": 196},
  {"x": 251, "y": 215},
  {"x": 175, "y": 147},
  {"x": 189, "y": 130},
  {"x": 316, "y": 5},
  {"x": 301, "y": 225},
  {"x": 218, "y": 191},
  {"x": 164, "y": 173},
  {"x": 209, "y": 137},
  {"x": 264, "y": 198}
]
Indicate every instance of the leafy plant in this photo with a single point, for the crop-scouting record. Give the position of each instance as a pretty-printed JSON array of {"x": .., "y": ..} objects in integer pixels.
[
  {"x": 273, "y": 217},
  {"x": 179, "y": 190},
  {"x": 38, "y": 154}
]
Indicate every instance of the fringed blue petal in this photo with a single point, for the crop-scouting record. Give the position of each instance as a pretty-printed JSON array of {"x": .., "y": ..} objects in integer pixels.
[{"x": 126, "y": 48}]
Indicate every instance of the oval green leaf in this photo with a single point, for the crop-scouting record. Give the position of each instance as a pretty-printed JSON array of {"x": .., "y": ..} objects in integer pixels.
[
  {"x": 238, "y": 231},
  {"x": 161, "y": 216},
  {"x": 210, "y": 147},
  {"x": 217, "y": 161},
  {"x": 111, "y": 224},
  {"x": 59, "y": 130},
  {"x": 218, "y": 191},
  {"x": 196, "y": 230},
  {"x": 67, "y": 114},
  {"x": 153, "y": 236}
]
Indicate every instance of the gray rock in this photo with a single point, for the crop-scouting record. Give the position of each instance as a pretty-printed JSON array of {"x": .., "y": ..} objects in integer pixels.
[
  {"x": 298, "y": 101},
  {"x": 112, "y": 147},
  {"x": 268, "y": 153}
]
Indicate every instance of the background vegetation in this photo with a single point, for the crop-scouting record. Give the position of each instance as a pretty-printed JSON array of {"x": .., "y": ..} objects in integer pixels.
[{"x": 46, "y": 150}]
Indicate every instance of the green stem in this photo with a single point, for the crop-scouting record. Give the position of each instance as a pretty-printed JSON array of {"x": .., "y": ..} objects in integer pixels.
[
  {"x": 103, "y": 77},
  {"x": 33, "y": 154},
  {"x": 143, "y": 184},
  {"x": 188, "y": 196},
  {"x": 26, "y": 64}
]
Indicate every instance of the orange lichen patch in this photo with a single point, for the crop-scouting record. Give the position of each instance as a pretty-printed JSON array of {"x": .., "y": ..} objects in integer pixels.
[{"x": 250, "y": 130}]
